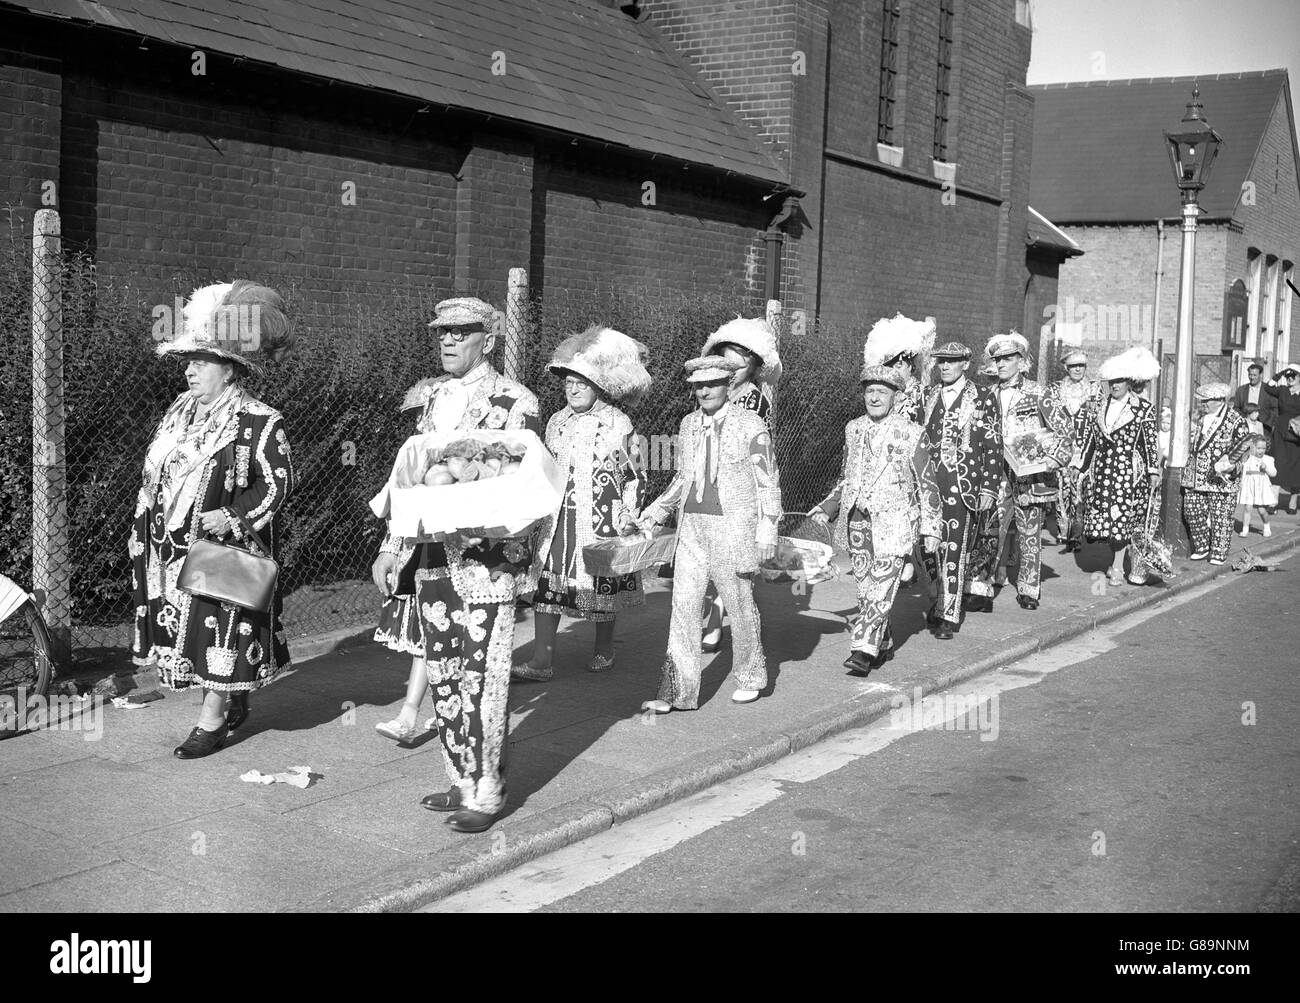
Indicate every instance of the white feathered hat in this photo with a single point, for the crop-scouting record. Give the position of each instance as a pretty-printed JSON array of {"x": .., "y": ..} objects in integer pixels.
[
  {"x": 232, "y": 320},
  {"x": 899, "y": 335},
  {"x": 1137, "y": 365},
  {"x": 754, "y": 334},
  {"x": 609, "y": 359}
]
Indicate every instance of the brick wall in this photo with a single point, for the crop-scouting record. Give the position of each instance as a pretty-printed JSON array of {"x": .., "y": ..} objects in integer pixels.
[
  {"x": 743, "y": 49},
  {"x": 31, "y": 107},
  {"x": 1110, "y": 290},
  {"x": 893, "y": 246},
  {"x": 592, "y": 229}
]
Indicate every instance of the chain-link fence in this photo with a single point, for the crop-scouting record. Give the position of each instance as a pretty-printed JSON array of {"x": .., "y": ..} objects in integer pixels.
[{"x": 82, "y": 390}]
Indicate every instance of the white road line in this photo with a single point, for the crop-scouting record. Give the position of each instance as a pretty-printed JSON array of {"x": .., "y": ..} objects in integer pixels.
[{"x": 593, "y": 861}]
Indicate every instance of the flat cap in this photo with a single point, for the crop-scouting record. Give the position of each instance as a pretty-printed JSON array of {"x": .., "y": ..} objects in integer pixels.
[
  {"x": 708, "y": 368},
  {"x": 464, "y": 311},
  {"x": 1212, "y": 392},
  {"x": 1075, "y": 358},
  {"x": 951, "y": 350},
  {"x": 882, "y": 374}
]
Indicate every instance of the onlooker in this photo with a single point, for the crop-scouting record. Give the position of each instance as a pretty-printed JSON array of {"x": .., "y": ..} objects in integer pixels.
[
  {"x": 1252, "y": 392},
  {"x": 1286, "y": 431}
]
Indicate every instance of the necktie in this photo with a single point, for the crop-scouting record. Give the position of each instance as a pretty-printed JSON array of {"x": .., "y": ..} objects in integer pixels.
[{"x": 706, "y": 457}]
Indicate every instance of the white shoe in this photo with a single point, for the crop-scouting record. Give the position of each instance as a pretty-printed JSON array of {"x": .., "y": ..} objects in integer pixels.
[
  {"x": 1215, "y": 563},
  {"x": 1200, "y": 555},
  {"x": 398, "y": 731},
  {"x": 657, "y": 706},
  {"x": 744, "y": 696},
  {"x": 1245, "y": 531},
  {"x": 1267, "y": 530}
]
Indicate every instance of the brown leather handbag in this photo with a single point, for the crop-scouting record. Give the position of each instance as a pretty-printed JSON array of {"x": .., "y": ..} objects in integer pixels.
[{"x": 226, "y": 573}]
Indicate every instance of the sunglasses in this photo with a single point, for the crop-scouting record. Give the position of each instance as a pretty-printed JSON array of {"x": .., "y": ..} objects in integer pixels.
[{"x": 457, "y": 334}]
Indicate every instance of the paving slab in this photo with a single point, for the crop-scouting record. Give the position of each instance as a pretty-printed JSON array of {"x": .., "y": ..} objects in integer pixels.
[{"x": 117, "y": 886}]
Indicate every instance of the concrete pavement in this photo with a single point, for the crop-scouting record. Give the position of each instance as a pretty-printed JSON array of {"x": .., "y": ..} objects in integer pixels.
[{"x": 118, "y": 824}]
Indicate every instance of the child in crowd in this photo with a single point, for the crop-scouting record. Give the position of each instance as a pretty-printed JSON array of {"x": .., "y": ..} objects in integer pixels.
[
  {"x": 592, "y": 443},
  {"x": 399, "y": 622},
  {"x": 1257, "y": 489}
]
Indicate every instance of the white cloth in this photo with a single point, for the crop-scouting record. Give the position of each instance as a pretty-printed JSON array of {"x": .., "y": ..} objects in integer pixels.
[
  {"x": 1007, "y": 397},
  {"x": 453, "y": 397},
  {"x": 1116, "y": 410},
  {"x": 953, "y": 391},
  {"x": 710, "y": 446},
  {"x": 1252, "y": 395}
]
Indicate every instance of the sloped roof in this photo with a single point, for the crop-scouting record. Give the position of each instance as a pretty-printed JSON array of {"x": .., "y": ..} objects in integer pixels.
[
  {"x": 575, "y": 66},
  {"x": 1042, "y": 232},
  {"x": 1099, "y": 147}
]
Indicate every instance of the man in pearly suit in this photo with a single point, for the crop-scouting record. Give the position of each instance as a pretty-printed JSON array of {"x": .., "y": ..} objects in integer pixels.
[
  {"x": 727, "y": 495},
  {"x": 886, "y": 497},
  {"x": 466, "y": 588},
  {"x": 1026, "y": 407},
  {"x": 1212, "y": 477},
  {"x": 964, "y": 432}
]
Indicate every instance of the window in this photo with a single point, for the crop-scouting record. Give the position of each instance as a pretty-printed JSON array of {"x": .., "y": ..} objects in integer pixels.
[
  {"x": 1023, "y": 15},
  {"x": 1253, "y": 289},
  {"x": 1282, "y": 349},
  {"x": 888, "y": 71},
  {"x": 942, "y": 87},
  {"x": 1268, "y": 305}
]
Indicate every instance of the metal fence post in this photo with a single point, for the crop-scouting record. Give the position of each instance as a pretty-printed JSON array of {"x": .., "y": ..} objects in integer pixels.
[
  {"x": 516, "y": 320},
  {"x": 774, "y": 319},
  {"x": 51, "y": 565}
]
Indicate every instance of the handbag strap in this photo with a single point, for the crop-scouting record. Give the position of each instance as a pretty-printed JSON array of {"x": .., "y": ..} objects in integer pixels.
[{"x": 256, "y": 546}]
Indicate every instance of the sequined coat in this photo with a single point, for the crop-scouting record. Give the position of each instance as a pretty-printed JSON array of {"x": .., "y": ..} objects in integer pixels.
[
  {"x": 969, "y": 444},
  {"x": 1226, "y": 439},
  {"x": 1036, "y": 409},
  {"x": 888, "y": 473},
  {"x": 593, "y": 449},
  {"x": 193, "y": 640},
  {"x": 749, "y": 487}
]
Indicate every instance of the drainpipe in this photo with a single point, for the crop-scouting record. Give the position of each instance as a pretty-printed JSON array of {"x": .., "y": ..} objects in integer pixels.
[
  {"x": 1155, "y": 321},
  {"x": 774, "y": 243}
]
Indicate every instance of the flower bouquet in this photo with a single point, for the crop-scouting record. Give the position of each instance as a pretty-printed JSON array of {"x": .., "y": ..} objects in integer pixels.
[
  {"x": 803, "y": 551},
  {"x": 495, "y": 483},
  {"x": 1027, "y": 453}
]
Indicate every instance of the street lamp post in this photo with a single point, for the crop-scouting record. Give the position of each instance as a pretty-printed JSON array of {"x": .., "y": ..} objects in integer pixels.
[{"x": 1192, "y": 149}]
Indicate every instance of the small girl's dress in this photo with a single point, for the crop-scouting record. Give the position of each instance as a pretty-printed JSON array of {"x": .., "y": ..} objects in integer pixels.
[{"x": 1257, "y": 487}]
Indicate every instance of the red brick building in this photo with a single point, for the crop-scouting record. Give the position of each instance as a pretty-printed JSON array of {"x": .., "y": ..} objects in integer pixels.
[
  {"x": 1101, "y": 172},
  {"x": 878, "y": 149}
]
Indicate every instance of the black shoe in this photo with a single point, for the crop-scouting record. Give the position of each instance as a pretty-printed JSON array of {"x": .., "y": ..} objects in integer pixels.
[
  {"x": 932, "y": 617},
  {"x": 943, "y": 630},
  {"x": 977, "y": 604},
  {"x": 442, "y": 801},
  {"x": 1026, "y": 602},
  {"x": 468, "y": 820},
  {"x": 237, "y": 712},
  {"x": 859, "y": 663},
  {"x": 665, "y": 570},
  {"x": 201, "y": 743},
  {"x": 1072, "y": 547}
]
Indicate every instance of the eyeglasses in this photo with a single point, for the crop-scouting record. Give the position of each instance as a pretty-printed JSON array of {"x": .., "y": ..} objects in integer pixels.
[
  {"x": 573, "y": 383},
  {"x": 457, "y": 334},
  {"x": 1007, "y": 357}
]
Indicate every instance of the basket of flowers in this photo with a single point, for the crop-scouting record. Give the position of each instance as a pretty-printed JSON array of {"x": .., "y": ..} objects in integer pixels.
[{"x": 803, "y": 551}]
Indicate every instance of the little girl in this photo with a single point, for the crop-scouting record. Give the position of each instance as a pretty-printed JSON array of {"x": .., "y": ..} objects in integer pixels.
[
  {"x": 592, "y": 442},
  {"x": 1257, "y": 471},
  {"x": 399, "y": 622}
]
